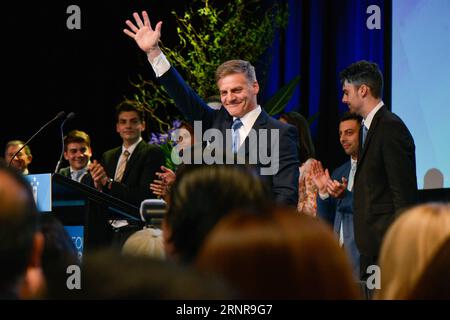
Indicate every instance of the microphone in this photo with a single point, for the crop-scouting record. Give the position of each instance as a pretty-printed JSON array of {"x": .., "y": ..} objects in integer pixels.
[
  {"x": 70, "y": 116},
  {"x": 59, "y": 115}
]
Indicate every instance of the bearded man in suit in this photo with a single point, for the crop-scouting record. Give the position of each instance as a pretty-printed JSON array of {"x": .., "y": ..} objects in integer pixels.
[{"x": 385, "y": 180}]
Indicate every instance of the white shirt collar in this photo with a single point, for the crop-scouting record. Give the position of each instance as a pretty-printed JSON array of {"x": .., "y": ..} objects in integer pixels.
[
  {"x": 132, "y": 147},
  {"x": 368, "y": 120},
  {"x": 248, "y": 120},
  {"x": 83, "y": 169},
  {"x": 353, "y": 162}
]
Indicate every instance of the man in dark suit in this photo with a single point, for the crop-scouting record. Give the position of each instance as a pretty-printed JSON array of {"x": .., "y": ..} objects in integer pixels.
[
  {"x": 78, "y": 152},
  {"x": 385, "y": 180},
  {"x": 126, "y": 172},
  {"x": 241, "y": 122},
  {"x": 335, "y": 198}
]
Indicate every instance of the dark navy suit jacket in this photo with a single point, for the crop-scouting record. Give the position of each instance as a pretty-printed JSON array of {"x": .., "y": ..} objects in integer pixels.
[
  {"x": 87, "y": 179},
  {"x": 140, "y": 171},
  {"x": 284, "y": 183},
  {"x": 385, "y": 180},
  {"x": 336, "y": 210}
]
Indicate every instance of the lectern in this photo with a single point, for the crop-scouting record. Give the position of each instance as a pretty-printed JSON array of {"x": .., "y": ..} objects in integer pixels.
[{"x": 79, "y": 205}]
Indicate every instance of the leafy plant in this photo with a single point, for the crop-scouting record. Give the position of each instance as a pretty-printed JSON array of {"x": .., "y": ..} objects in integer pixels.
[
  {"x": 166, "y": 142},
  {"x": 208, "y": 36},
  {"x": 277, "y": 103}
]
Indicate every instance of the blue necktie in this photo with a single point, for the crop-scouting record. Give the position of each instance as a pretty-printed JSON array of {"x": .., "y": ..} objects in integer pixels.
[
  {"x": 351, "y": 176},
  {"x": 237, "y": 123},
  {"x": 364, "y": 134},
  {"x": 76, "y": 175}
]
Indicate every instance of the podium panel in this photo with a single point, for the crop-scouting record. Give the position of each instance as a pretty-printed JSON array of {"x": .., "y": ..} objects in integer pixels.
[
  {"x": 84, "y": 211},
  {"x": 41, "y": 184}
]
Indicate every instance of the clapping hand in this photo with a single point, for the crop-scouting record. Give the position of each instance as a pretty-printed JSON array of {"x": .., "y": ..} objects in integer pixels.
[
  {"x": 337, "y": 189},
  {"x": 320, "y": 177},
  {"x": 161, "y": 186}
]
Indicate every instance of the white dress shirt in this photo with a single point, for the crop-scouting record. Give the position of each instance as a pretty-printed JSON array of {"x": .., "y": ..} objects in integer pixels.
[
  {"x": 248, "y": 120},
  {"x": 368, "y": 120}
]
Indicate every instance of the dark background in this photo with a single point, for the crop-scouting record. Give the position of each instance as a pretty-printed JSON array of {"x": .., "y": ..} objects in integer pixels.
[{"x": 48, "y": 68}]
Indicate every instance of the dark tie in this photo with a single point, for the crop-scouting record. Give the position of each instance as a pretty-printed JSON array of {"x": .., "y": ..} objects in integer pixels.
[
  {"x": 364, "y": 134},
  {"x": 237, "y": 123}
]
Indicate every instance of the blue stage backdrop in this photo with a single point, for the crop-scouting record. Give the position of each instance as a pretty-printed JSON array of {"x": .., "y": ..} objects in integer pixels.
[
  {"x": 322, "y": 38},
  {"x": 421, "y": 83}
]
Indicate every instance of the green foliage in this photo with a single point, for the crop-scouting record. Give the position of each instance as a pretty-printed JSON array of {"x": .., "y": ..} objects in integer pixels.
[
  {"x": 208, "y": 36},
  {"x": 277, "y": 103},
  {"x": 153, "y": 99}
]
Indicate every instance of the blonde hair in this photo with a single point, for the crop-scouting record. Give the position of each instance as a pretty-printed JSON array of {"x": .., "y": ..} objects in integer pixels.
[
  {"x": 409, "y": 245},
  {"x": 147, "y": 243}
]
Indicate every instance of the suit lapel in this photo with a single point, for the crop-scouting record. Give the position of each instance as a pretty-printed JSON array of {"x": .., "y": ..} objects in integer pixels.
[
  {"x": 65, "y": 172},
  {"x": 260, "y": 123},
  {"x": 114, "y": 160},
  {"x": 227, "y": 120},
  {"x": 346, "y": 171},
  {"x": 223, "y": 123},
  {"x": 370, "y": 133},
  {"x": 87, "y": 180}
]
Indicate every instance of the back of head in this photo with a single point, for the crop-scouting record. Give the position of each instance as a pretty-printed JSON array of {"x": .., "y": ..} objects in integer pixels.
[
  {"x": 18, "y": 225},
  {"x": 278, "y": 255},
  {"x": 110, "y": 275},
  {"x": 434, "y": 281},
  {"x": 408, "y": 246},
  {"x": 305, "y": 144},
  {"x": 364, "y": 72},
  {"x": 202, "y": 195},
  {"x": 147, "y": 243}
]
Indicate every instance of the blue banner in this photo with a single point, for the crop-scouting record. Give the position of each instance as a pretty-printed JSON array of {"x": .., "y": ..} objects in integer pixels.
[
  {"x": 41, "y": 185},
  {"x": 76, "y": 233}
]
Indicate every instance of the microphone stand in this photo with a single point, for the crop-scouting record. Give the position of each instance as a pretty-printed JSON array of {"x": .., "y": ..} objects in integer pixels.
[
  {"x": 59, "y": 115},
  {"x": 69, "y": 116}
]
